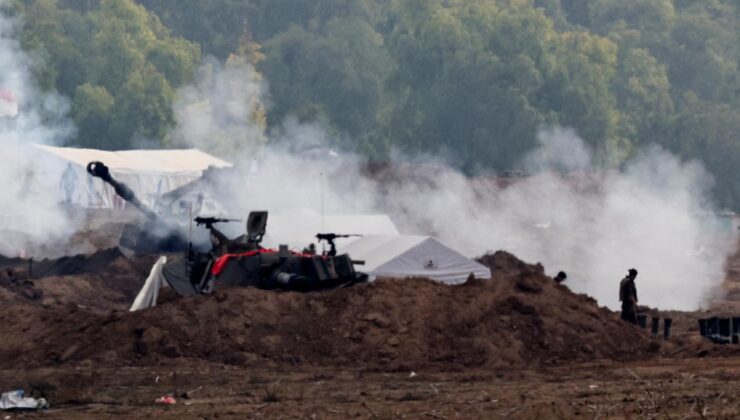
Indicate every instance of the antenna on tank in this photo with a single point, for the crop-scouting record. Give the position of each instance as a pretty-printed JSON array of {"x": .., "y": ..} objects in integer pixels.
[
  {"x": 323, "y": 223},
  {"x": 190, "y": 220}
]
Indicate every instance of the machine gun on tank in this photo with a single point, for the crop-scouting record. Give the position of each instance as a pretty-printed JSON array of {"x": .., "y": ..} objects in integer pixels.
[
  {"x": 221, "y": 244},
  {"x": 330, "y": 238},
  {"x": 210, "y": 221}
]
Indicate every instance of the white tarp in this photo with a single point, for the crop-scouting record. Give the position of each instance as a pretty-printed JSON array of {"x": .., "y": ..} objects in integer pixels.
[
  {"x": 16, "y": 400},
  {"x": 147, "y": 297},
  {"x": 412, "y": 256},
  {"x": 149, "y": 173},
  {"x": 297, "y": 230}
]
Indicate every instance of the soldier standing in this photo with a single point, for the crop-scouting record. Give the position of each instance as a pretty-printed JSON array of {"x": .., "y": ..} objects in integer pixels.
[
  {"x": 628, "y": 296},
  {"x": 68, "y": 184}
]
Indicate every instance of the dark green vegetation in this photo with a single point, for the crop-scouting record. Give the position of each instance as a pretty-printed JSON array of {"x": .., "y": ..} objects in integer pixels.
[{"x": 474, "y": 79}]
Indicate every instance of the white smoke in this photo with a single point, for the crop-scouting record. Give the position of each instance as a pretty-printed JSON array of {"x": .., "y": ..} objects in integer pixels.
[
  {"x": 218, "y": 112},
  {"x": 30, "y": 181},
  {"x": 653, "y": 215},
  {"x": 560, "y": 150}
]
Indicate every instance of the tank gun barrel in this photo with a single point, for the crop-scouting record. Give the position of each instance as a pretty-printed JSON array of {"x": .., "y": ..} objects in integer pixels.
[{"x": 99, "y": 170}]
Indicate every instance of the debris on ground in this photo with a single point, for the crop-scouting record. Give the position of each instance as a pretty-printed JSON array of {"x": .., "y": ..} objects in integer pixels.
[
  {"x": 16, "y": 400},
  {"x": 166, "y": 400}
]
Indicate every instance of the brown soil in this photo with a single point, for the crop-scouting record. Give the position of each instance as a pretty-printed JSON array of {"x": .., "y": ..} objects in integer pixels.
[
  {"x": 667, "y": 389},
  {"x": 102, "y": 281},
  {"x": 520, "y": 318},
  {"x": 518, "y": 345}
]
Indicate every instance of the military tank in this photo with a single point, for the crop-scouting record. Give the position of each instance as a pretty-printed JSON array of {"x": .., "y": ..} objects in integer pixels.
[
  {"x": 243, "y": 262},
  {"x": 210, "y": 260}
]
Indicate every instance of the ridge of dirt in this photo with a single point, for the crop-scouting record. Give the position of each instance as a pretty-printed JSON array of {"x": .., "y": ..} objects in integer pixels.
[
  {"x": 103, "y": 280},
  {"x": 519, "y": 318}
]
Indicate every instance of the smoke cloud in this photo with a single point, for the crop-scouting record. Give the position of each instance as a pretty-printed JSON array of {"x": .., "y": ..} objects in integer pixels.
[
  {"x": 654, "y": 214},
  {"x": 30, "y": 192},
  {"x": 222, "y": 110}
]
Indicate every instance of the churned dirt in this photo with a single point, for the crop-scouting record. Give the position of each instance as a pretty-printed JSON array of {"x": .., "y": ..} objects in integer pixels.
[
  {"x": 521, "y": 318},
  {"x": 517, "y": 345},
  {"x": 101, "y": 281},
  {"x": 676, "y": 388}
]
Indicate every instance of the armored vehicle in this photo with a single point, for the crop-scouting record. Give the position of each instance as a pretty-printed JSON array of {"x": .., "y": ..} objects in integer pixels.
[{"x": 206, "y": 265}]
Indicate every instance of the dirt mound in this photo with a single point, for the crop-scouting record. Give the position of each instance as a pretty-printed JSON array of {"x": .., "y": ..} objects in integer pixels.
[
  {"x": 63, "y": 266},
  {"x": 504, "y": 263},
  {"x": 520, "y": 318},
  {"x": 103, "y": 280}
]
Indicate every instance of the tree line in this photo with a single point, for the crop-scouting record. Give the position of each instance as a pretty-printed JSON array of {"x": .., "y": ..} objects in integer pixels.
[{"x": 472, "y": 79}]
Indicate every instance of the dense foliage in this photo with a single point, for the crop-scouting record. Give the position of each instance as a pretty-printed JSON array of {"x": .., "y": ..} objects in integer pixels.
[
  {"x": 473, "y": 79},
  {"x": 117, "y": 63}
]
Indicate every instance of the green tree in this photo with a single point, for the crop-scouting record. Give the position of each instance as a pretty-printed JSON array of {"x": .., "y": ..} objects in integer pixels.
[
  {"x": 643, "y": 94},
  {"x": 335, "y": 74},
  {"x": 578, "y": 92},
  {"x": 470, "y": 79},
  {"x": 116, "y": 61},
  {"x": 61, "y": 37},
  {"x": 711, "y": 132},
  {"x": 478, "y": 80},
  {"x": 646, "y": 16},
  {"x": 705, "y": 55},
  {"x": 91, "y": 110},
  {"x": 215, "y": 25}
]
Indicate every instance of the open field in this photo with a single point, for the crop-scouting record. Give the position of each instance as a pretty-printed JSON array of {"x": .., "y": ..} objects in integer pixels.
[{"x": 671, "y": 388}]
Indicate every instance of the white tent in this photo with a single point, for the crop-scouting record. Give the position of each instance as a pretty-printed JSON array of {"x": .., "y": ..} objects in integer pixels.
[
  {"x": 412, "y": 256},
  {"x": 149, "y": 173},
  {"x": 300, "y": 229}
]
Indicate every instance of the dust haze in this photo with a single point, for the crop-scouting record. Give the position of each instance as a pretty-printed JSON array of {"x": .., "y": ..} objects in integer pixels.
[
  {"x": 30, "y": 183},
  {"x": 654, "y": 214}
]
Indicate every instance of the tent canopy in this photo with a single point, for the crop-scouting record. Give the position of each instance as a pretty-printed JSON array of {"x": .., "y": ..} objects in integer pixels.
[
  {"x": 412, "y": 256},
  {"x": 149, "y": 173},
  {"x": 140, "y": 161}
]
